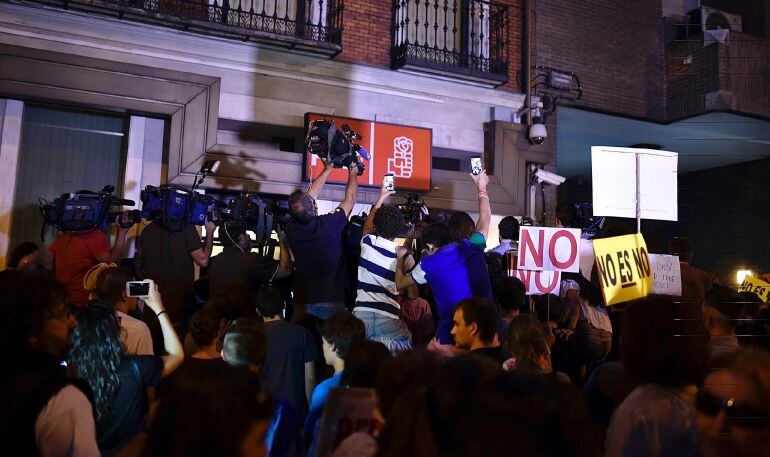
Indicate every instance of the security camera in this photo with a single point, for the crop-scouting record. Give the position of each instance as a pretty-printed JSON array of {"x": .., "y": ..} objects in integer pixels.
[
  {"x": 548, "y": 177},
  {"x": 537, "y": 131}
]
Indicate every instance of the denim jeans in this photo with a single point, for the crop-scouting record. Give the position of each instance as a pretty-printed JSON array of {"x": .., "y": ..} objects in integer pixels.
[
  {"x": 393, "y": 333},
  {"x": 320, "y": 310}
]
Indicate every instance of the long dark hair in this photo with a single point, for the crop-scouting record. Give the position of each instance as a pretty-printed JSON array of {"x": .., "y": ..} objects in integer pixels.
[{"x": 96, "y": 353}]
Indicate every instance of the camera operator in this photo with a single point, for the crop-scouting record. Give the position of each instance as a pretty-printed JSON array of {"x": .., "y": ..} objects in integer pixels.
[
  {"x": 236, "y": 265},
  {"x": 169, "y": 258},
  {"x": 454, "y": 270},
  {"x": 317, "y": 246},
  {"x": 72, "y": 254}
]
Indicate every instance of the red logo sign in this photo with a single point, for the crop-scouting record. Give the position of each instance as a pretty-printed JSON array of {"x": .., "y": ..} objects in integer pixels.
[{"x": 400, "y": 150}]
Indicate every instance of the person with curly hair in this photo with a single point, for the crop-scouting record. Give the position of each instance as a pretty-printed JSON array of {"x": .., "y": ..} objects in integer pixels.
[
  {"x": 119, "y": 381},
  {"x": 377, "y": 304}
]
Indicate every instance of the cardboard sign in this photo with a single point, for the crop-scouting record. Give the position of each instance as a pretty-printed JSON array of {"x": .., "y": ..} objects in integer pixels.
[
  {"x": 614, "y": 176},
  {"x": 347, "y": 411},
  {"x": 549, "y": 249},
  {"x": 756, "y": 285},
  {"x": 400, "y": 150},
  {"x": 666, "y": 275},
  {"x": 623, "y": 267}
]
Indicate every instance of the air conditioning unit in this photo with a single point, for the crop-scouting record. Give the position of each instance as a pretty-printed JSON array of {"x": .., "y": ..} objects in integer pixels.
[{"x": 711, "y": 19}]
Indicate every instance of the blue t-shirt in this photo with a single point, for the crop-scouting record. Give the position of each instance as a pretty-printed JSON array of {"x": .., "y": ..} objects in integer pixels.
[
  {"x": 454, "y": 272},
  {"x": 317, "y": 403}
]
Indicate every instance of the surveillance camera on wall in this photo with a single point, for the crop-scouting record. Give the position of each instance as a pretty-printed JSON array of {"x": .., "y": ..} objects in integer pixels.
[
  {"x": 537, "y": 131},
  {"x": 548, "y": 177}
]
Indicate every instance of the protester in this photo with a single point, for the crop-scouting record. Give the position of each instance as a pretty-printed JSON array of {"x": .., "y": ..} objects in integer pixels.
[
  {"x": 733, "y": 406},
  {"x": 207, "y": 327},
  {"x": 508, "y": 230},
  {"x": 169, "y": 258},
  {"x": 362, "y": 364},
  {"x": 119, "y": 380},
  {"x": 376, "y": 304},
  {"x": 589, "y": 322},
  {"x": 474, "y": 328},
  {"x": 510, "y": 295},
  {"x": 42, "y": 412},
  {"x": 219, "y": 412},
  {"x": 289, "y": 371},
  {"x": 25, "y": 258},
  {"x": 695, "y": 282},
  {"x": 662, "y": 354},
  {"x": 528, "y": 343},
  {"x": 72, "y": 254},
  {"x": 461, "y": 226},
  {"x": 720, "y": 312},
  {"x": 340, "y": 332},
  {"x": 454, "y": 270},
  {"x": 416, "y": 314},
  {"x": 236, "y": 265},
  {"x": 110, "y": 289},
  {"x": 316, "y": 244}
]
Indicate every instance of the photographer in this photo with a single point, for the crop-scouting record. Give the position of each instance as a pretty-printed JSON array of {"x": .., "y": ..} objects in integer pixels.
[
  {"x": 237, "y": 266},
  {"x": 316, "y": 244},
  {"x": 454, "y": 270},
  {"x": 169, "y": 258},
  {"x": 72, "y": 254}
]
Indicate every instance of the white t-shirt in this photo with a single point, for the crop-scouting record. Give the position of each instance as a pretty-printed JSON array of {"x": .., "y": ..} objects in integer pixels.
[
  {"x": 65, "y": 426},
  {"x": 135, "y": 335}
]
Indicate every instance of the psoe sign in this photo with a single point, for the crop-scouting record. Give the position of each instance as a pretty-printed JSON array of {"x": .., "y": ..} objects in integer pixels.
[
  {"x": 549, "y": 249},
  {"x": 623, "y": 265}
]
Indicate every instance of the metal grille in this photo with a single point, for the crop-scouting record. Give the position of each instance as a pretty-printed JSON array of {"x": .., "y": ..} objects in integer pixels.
[
  {"x": 315, "y": 20},
  {"x": 464, "y": 35}
]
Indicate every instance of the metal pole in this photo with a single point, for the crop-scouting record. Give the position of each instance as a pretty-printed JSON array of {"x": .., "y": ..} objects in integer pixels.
[{"x": 638, "y": 198}]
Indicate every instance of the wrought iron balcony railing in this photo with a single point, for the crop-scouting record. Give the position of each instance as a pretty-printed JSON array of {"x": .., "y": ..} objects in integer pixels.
[
  {"x": 465, "y": 38},
  {"x": 306, "y": 24}
]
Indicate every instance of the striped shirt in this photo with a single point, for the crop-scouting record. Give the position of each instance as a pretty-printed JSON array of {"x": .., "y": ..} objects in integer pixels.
[{"x": 377, "y": 276}]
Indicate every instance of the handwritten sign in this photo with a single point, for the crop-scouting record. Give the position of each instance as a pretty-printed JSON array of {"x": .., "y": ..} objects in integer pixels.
[
  {"x": 666, "y": 275},
  {"x": 549, "y": 249},
  {"x": 347, "y": 411},
  {"x": 756, "y": 285},
  {"x": 624, "y": 268}
]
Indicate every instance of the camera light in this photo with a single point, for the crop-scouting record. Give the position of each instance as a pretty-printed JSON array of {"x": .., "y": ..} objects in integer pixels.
[{"x": 741, "y": 275}]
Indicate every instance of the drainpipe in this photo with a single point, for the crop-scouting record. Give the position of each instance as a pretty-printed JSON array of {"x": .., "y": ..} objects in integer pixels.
[{"x": 528, "y": 58}]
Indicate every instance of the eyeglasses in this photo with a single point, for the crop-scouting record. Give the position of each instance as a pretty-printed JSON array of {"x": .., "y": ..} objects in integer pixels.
[{"x": 741, "y": 415}]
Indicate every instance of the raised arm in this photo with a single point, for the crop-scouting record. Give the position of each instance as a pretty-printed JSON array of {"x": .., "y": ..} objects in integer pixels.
[
  {"x": 485, "y": 211},
  {"x": 403, "y": 280},
  {"x": 285, "y": 263},
  {"x": 201, "y": 256},
  {"x": 173, "y": 347},
  {"x": 351, "y": 190},
  {"x": 369, "y": 224},
  {"x": 318, "y": 183}
]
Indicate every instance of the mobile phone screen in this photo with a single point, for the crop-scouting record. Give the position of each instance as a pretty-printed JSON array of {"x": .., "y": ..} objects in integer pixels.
[
  {"x": 387, "y": 181},
  {"x": 137, "y": 289},
  {"x": 476, "y": 166}
]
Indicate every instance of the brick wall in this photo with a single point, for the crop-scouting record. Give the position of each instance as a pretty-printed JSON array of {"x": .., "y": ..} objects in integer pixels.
[
  {"x": 724, "y": 211},
  {"x": 735, "y": 76},
  {"x": 366, "y": 38},
  {"x": 615, "y": 48}
]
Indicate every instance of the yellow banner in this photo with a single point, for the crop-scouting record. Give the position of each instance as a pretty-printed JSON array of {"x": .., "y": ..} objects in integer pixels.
[
  {"x": 756, "y": 285},
  {"x": 623, "y": 267}
]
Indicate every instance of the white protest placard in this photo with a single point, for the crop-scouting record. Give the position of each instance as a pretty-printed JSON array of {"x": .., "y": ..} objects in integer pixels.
[
  {"x": 549, "y": 249},
  {"x": 539, "y": 282},
  {"x": 614, "y": 181},
  {"x": 666, "y": 275}
]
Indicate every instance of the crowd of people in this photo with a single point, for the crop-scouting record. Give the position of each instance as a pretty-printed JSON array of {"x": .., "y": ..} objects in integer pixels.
[{"x": 378, "y": 339}]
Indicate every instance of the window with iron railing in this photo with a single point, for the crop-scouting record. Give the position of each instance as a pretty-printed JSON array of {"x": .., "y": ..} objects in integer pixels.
[
  {"x": 462, "y": 37},
  {"x": 318, "y": 21}
]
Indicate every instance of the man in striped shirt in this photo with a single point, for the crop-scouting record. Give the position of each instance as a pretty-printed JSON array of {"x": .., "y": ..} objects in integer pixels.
[{"x": 376, "y": 303}]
